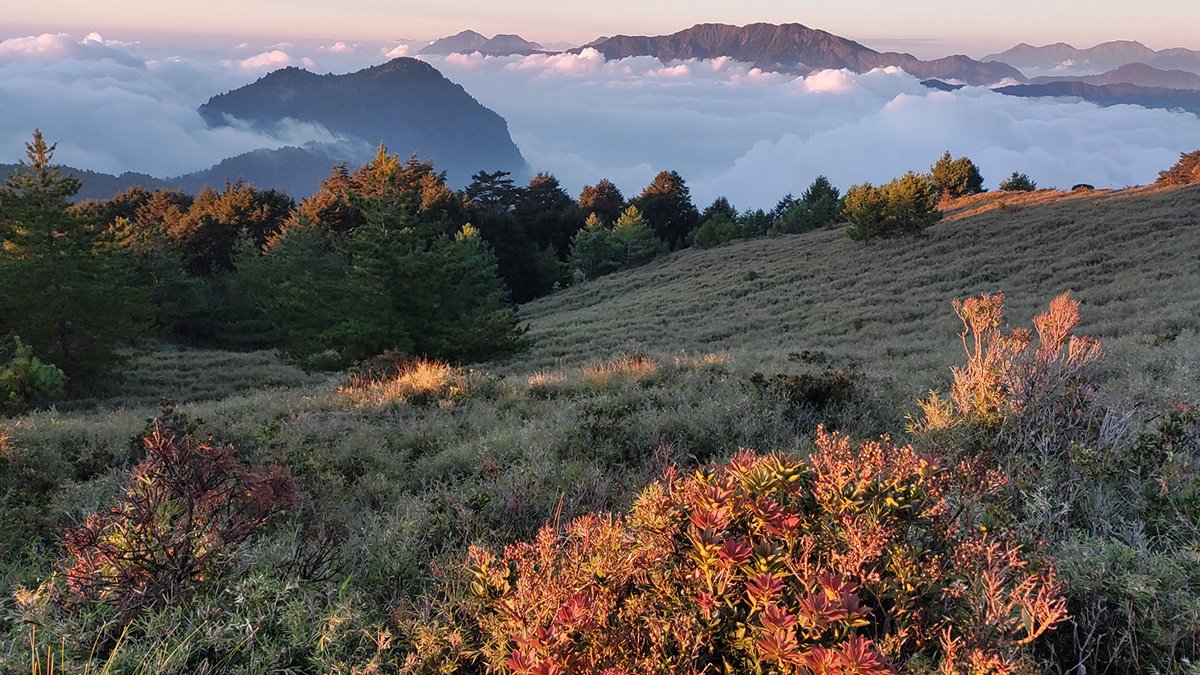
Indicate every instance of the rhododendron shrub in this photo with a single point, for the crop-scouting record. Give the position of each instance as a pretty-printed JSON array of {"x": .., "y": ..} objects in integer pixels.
[
  {"x": 188, "y": 504},
  {"x": 859, "y": 559}
]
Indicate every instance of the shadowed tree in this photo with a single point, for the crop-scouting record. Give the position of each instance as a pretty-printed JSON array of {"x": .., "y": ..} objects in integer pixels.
[
  {"x": 603, "y": 199},
  {"x": 666, "y": 204},
  {"x": 549, "y": 215}
]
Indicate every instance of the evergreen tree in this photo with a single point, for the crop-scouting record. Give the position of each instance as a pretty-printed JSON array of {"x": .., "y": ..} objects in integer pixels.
[
  {"x": 549, "y": 216},
  {"x": 956, "y": 177},
  {"x": 603, "y": 199},
  {"x": 635, "y": 239},
  {"x": 666, "y": 204},
  {"x": 1018, "y": 182},
  {"x": 69, "y": 296},
  {"x": 594, "y": 251}
]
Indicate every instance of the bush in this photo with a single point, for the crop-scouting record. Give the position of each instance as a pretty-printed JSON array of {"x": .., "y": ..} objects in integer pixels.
[
  {"x": 858, "y": 559},
  {"x": 1185, "y": 172},
  {"x": 956, "y": 177},
  {"x": 904, "y": 206},
  {"x": 187, "y": 507},
  {"x": 25, "y": 381},
  {"x": 1119, "y": 509},
  {"x": 1018, "y": 182}
]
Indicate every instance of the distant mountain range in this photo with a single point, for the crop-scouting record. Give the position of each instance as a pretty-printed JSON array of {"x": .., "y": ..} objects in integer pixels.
[
  {"x": 405, "y": 104},
  {"x": 469, "y": 41},
  {"x": 1133, "y": 73},
  {"x": 1113, "y": 94},
  {"x": 1102, "y": 57},
  {"x": 795, "y": 48}
]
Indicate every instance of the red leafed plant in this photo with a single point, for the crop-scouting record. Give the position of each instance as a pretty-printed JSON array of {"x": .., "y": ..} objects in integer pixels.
[
  {"x": 859, "y": 559},
  {"x": 189, "y": 502}
]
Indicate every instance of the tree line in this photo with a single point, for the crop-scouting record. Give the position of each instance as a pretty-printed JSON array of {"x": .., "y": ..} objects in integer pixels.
[{"x": 383, "y": 258}]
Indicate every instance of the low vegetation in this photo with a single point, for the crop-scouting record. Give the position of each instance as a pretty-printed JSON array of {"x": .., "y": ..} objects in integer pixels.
[{"x": 826, "y": 480}]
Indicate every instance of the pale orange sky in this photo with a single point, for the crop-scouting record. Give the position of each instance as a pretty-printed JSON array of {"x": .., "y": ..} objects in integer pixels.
[{"x": 929, "y": 27}]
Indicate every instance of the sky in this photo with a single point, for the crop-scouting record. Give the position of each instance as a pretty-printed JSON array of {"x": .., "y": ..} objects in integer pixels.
[{"x": 928, "y": 28}]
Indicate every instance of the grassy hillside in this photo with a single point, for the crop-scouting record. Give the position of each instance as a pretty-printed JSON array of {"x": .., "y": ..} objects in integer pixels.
[
  {"x": 1131, "y": 257},
  {"x": 398, "y": 477}
]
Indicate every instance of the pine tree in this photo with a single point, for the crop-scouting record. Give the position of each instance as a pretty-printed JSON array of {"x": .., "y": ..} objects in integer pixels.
[{"x": 69, "y": 296}]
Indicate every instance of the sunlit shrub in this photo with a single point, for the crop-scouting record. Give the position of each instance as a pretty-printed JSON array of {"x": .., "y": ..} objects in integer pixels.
[
  {"x": 25, "y": 380},
  {"x": 861, "y": 559},
  {"x": 1185, "y": 172},
  {"x": 188, "y": 505},
  {"x": 633, "y": 368},
  {"x": 1119, "y": 509}
]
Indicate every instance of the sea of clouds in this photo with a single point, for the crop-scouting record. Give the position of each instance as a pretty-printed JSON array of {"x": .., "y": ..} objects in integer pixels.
[{"x": 728, "y": 128}]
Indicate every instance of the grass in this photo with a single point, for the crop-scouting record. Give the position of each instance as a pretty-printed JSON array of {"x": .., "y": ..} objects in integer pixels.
[
  {"x": 586, "y": 418},
  {"x": 1129, "y": 256}
]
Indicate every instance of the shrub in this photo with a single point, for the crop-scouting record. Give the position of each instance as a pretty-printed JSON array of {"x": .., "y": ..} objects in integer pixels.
[
  {"x": 1018, "y": 182},
  {"x": 715, "y": 231},
  {"x": 1082, "y": 187},
  {"x": 810, "y": 398},
  {"x": 904, "y": 206},
  {"x": 956, "y": 177},
  {"x": 1185, "y": 172},
  {"x": 188, "y": 505},
  {"x": 1119, "y": 509},
  {"x": 25, "y": 381},
  {"x": 859, "y": 559}
]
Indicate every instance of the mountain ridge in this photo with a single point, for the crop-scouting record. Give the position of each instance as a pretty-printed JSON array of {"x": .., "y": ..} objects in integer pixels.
[
  {"x": 1104, "y": 56},
  {"x": 795, "y": 48},
  {"x": 468, "y": 41},
  {"x": 404, "y": 103}
]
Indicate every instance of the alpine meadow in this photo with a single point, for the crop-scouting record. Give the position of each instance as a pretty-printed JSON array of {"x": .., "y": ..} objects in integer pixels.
[{"x": 724, "y": 349}]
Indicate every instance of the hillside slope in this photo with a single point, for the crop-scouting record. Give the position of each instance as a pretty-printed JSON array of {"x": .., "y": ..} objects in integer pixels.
[{"x": 1132, "y": 257}]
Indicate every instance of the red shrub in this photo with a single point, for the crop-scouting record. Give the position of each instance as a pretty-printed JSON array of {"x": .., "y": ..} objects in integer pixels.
[
  {"x": 188, "y": 504},
  {"x": 860, "y": 559}
]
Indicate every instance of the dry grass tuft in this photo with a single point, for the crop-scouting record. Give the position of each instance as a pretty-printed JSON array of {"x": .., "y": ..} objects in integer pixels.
[
  {"x": 627, "y": 368},
  {"x": 547, "y": 383},
  {"x": 418, "y": 381},
  {"x": 709, "y": 361}
]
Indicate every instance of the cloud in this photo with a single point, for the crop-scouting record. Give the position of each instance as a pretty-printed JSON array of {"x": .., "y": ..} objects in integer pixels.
[
  {"x": 56, "y": 47},
  {"x": 339, "y": 48},
  {"x": 272, "y": 60},
  {"x": 121, "y": 112},
  {"x": 735, "y": 130},
  {"x": 395, "y": 52}
]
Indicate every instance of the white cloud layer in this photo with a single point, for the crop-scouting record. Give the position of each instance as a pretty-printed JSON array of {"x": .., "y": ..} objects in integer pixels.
[
  {"x": 727, "y": 127},
  {"x": 753, "y": 136}
]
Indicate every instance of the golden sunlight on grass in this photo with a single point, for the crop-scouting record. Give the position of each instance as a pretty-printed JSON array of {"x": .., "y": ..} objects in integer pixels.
[
  {"x": 417, "y": 381},
  {"x": 635, "y": 368}
]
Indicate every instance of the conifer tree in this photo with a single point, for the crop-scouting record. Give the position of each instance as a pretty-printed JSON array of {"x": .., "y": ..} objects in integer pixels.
[{"x": 69, "y": 296}]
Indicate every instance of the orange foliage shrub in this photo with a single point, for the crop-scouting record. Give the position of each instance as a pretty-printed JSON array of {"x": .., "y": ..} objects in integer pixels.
[
  {"x": 1008, "y": 373},
  {"x": 860, "y": 559},
  {"x": 188, "y": 503}
]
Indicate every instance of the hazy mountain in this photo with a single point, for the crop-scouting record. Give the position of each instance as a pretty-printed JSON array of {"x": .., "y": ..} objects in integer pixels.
[
  {"x": 98, "y": 185},
  {"x": 1113, "y": 94},
  {"x": 795, "y": 48},
  {"x": 469, "y": 41},
  {"x": 1134, "y": 73},
  {"x": 296, "y": 171},
  {"x": 405, "y": 103},
  {"x": 1103, "y": 57}
]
